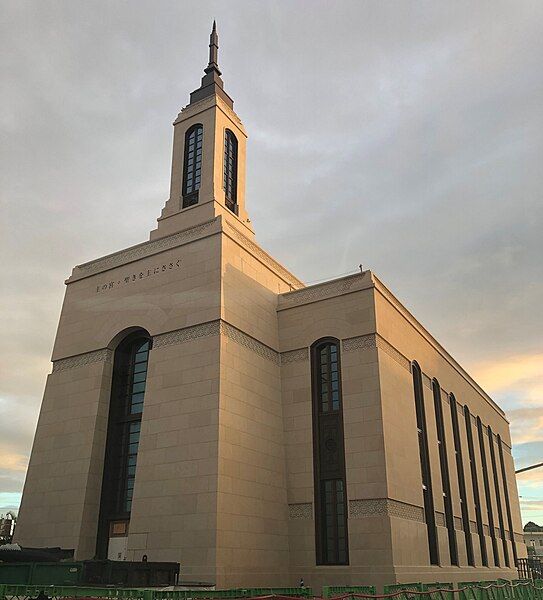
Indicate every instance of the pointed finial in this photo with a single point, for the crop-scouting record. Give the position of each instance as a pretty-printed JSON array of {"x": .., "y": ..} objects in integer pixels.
[{"x": 213, "y": 48}]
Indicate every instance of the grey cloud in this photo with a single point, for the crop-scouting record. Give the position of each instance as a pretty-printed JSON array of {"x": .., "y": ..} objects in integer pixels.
[{"x": 403, "y": 135}]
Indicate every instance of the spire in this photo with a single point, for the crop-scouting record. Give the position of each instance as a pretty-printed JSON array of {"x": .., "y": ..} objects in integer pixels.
[
  {"x": 213, "y": 50},
  {"x": 212, "y": 83}
]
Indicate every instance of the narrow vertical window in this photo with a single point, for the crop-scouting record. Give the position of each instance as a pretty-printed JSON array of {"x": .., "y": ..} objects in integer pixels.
[
  {"x": 123, "y": 434},
  {"x": 444, "y": 465},
  {"x": 507, "y": 502},
  {"x": 192, "y": 169},
  {"x": 329, "y": 455},
  {"x": 498, "y": 495},
  {"x": 461, "y": 480},
  {"x": 475, "y": 487},
  {"x": 230, "y": 174},
  {"x": 425, "y": 465},
  {"x": 488, "y": 498}
]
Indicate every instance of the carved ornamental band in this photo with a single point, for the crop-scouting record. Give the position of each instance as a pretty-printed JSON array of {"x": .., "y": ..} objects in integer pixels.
[
  {"x": 72, "y": 362},
  {"x": 302, "y": 511}
]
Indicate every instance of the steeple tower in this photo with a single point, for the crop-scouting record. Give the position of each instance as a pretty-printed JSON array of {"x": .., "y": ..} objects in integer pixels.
[{"x": 208, "y": 164}]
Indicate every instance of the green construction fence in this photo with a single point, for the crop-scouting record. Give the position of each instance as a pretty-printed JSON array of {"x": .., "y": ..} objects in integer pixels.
[{"x": 470, "y": 590}]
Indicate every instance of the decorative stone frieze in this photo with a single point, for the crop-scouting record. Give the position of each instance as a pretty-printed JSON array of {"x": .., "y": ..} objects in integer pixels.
[
  {"x": 212, "y": 328},
  {"x": 367, "y": 508},
  {"x": 103, "y": 355},
  {"x": 249, "y": 342},
  {"x": 362, "y": 342},
  {"x": 291, "y": 356},
  {"x": 384, "y": 506},
  {"x": 186, "y": 334},
  {"x": 406, "y": 511},
  {"x": 301, "y": 511},
  {"x": 382, "y": 344},
  {"x": 265, "y": 258}
]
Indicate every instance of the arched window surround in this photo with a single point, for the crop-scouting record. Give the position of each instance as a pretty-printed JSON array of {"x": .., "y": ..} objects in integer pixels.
[
  {"x": 230, "y": 170},
  {"x": 128, "y": 384},
  {"x": 330, "y": 489},
  {"x": 192, "y": 164}
]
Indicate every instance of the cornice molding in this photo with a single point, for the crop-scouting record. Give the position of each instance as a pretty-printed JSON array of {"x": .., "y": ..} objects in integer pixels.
[
  {"x": 191, "y": 110},
  {"x": 424, "y": 333},
  {"x": 143, "y": 250},
  {"x": 320, "y": 291}
]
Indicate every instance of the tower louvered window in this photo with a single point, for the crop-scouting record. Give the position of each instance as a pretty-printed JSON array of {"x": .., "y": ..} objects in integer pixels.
[
  {"x": 192, "y": 171},
  {"x": 230, "y": 176}
]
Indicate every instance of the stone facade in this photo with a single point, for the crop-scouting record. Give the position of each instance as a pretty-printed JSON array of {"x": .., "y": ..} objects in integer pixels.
[{"x": 225, "y": 467}]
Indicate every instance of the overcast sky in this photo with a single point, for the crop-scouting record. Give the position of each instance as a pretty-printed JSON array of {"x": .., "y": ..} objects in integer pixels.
[{"x": 406, "y": 136}]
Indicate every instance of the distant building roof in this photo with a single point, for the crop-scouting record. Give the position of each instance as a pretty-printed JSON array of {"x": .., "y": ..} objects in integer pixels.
[{"x": 531, "y": 527}]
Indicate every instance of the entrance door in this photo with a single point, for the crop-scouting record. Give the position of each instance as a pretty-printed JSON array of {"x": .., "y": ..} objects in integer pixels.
[{"x": 118, "y": 540}]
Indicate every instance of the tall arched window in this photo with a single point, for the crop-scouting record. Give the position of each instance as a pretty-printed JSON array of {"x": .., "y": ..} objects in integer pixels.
[
  {"x": 230, "y": 180},
  {"x": 444, "y": 466},
  {"x": 475, "y": 487},
  {"x": 498, "y": 495},
  {"x": 331, "y": 534},
  {"x": 192, "y": 169},
  {"x": 424, "y": 455},
  {"x": 507, "y": 503},
  {"x": 461, "y": 479},
  {"x": 124, "y": 425},
  {"x": 486, "y": 484}
]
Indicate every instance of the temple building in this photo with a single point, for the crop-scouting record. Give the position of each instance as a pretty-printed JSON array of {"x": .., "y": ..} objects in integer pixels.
[{"x": 206, "y": 407}]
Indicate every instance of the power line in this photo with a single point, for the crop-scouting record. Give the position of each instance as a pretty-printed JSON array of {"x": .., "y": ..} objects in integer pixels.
[{"x": 529, "y": 468}]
